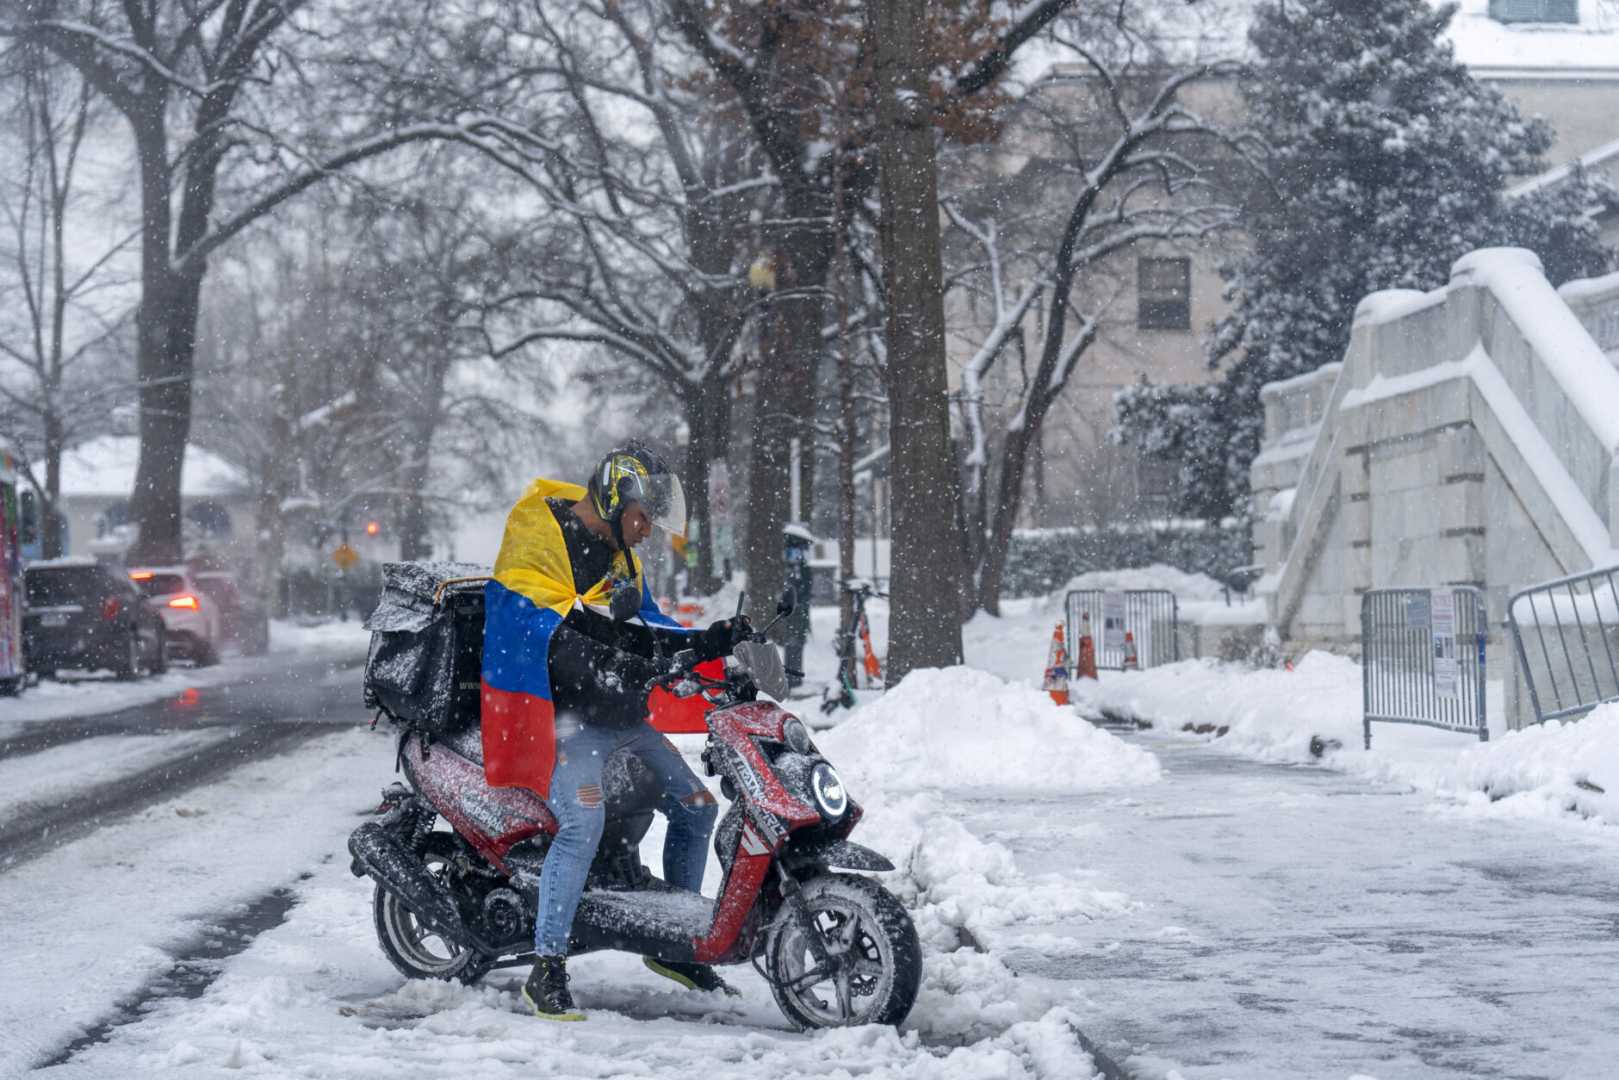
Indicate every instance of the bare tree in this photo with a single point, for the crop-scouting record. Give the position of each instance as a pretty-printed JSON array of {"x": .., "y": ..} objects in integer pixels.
[
  {"x": 645, "y": 238},
  {"x": 792, "y": 67},
  {"x": 59, "y": 311},
  {"x": 1141, "y": 168},
  {"x": 334, "y": 356},
  {"x": 223, "y": 100}
]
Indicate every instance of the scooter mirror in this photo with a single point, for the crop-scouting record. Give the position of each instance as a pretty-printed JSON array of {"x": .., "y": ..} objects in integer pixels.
[
  {"x": 625, "y": 602},
  {"x": 788, "y": 601}
]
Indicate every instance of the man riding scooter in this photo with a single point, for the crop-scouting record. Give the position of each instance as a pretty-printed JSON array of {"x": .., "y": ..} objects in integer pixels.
[{"x": 565, "y": 688}]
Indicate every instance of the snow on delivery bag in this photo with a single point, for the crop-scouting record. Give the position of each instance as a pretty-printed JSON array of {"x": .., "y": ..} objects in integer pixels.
[{"x": 427, "y": 645}]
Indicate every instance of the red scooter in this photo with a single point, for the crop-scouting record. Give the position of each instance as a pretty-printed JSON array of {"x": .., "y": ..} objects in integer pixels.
[{"x": 836, "y": 948}]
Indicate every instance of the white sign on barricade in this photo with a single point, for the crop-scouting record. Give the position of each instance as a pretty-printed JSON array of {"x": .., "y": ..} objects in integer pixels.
[
  {"x": 1446, "y": 673},
  {"x": 1112, "y": 620}
]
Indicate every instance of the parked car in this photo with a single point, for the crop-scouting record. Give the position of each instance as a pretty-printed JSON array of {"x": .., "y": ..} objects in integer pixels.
[
  {"x": 80, "y": 614},
  {"x": 194, "y": 620},
  {"x": 245, "y": 624}
]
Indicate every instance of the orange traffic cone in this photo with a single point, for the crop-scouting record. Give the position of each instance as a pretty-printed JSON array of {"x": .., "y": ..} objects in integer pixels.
[
  {"x": 1131, "y": 663},
  {"x": 1056, "y": 683},
  {"x": 1085, "y": 668},
  {"x": 874, "y": 667}
]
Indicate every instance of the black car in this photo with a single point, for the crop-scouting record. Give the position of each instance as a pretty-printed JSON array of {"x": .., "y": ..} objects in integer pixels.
[{"x": 80, "y": 614}]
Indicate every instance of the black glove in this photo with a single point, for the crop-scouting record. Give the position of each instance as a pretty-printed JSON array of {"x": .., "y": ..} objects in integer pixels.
[{"x": 720, "y": 638}]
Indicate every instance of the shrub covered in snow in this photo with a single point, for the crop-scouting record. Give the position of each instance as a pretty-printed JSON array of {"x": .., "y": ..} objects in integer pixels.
[{"x": 1039, "y": 560}]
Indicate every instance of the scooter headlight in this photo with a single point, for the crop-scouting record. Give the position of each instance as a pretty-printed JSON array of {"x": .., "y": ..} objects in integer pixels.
[
  {"x": 796, "y": 736},
  {"x": 827, "y": 787}
]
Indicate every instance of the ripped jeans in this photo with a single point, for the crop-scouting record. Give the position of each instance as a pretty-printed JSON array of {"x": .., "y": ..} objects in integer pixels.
[{"x": 576, "y": 800}]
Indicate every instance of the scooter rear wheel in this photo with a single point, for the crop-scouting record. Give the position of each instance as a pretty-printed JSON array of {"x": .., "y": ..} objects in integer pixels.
[
  {"x": 876, "y": 957},
  {"x": 418, "y": 952}
]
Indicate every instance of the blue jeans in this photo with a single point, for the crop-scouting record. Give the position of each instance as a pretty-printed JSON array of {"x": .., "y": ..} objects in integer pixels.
[{"x": 576, "y": 800}]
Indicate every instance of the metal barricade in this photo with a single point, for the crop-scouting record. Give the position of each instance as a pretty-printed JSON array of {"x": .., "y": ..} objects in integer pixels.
[
  {"x": 1567, "y": 635},
  {"x": 1151, "y": 617},
  {"x": 1423, "y": 659}
]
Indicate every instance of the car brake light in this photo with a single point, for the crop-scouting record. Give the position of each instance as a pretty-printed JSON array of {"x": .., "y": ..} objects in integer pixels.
[
  {"x": 188, "y": 602},
  {"x": 110, "y": 608}
]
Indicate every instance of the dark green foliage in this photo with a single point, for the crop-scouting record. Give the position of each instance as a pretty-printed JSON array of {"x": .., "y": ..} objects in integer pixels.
[
  {"x": 1389, "y": 162},
  {"x": 1042, "y": 560}
]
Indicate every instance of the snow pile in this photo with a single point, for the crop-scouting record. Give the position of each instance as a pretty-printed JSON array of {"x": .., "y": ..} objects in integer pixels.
[
  {"x": 1269, "y": 713},
  {"x": 1185, "y": 586},
  {"x": 1543, "y": 771},
  {"x": 1314, "y": 713},
  {"x": 959, "y": 727},
  {"x": 963, "y": 893}
]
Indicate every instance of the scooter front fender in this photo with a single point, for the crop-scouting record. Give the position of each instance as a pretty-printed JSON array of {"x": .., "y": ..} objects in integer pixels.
[{"x": 843, "y": 854}]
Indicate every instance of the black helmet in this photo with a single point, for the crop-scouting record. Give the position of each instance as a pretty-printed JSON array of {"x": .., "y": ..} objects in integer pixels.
[{"x": 637, "y": 474}]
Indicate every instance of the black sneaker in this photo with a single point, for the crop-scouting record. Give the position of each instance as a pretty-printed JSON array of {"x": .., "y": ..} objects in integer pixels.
[
  {"x": 546, "y": 991},
  {"x": 691, "y": 976}
]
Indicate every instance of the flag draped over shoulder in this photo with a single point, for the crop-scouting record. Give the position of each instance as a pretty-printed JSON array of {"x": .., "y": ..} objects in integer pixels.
[{"x": 531, "y": 593}]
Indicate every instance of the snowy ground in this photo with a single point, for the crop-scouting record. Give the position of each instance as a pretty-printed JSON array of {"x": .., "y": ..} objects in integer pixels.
[
  {"x": 313, "y": 996},
  {"x": 1198, "y": 906}
]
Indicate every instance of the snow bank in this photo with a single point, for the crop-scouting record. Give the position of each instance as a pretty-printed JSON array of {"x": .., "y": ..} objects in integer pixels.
[
  {"x": 1268, "y": 713},
  {"x": 963, "y": 728},
  {"x": 1551, "y": 770},
  {"x": 1185, "y": 586},
  {"x": 964, "y": 893},
  {"x": 1544, "y": 771}
]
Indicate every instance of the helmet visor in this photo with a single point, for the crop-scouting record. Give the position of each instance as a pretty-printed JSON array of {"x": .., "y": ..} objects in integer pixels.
[{"x": 662, "y": 500}]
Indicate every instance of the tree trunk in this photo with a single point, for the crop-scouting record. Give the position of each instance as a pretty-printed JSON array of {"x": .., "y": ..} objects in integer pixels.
[
  {"x": 708, "y": 423},
  {"x": 167, "y": 323},
  {"x": 925, "y": 620},
  {"x": 784, "y": 390},
  {"x": 50, "y": 511},
  {"x": 1008, "y": 501}
]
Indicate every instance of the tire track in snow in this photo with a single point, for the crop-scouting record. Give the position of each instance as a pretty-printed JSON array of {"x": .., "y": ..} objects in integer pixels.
[
  {"x": 40, "y": 830},
  {"x": 197, "y": 963}
]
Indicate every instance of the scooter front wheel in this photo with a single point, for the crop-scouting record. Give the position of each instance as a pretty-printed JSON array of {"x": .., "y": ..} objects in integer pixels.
[
  {"x": 418, "y": 952},
  {"x": 873, "y": 963}
]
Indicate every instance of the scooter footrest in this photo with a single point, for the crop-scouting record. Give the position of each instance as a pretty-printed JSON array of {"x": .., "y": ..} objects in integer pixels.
[{"x": 659, "y": 922}]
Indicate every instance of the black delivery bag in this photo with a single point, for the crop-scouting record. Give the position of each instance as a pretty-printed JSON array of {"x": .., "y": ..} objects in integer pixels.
[{"x": 426, "y": 655}]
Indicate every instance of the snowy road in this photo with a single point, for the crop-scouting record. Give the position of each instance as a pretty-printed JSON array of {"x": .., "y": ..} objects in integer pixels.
[
  {"x": 74, "y": 775},
  {"x": 1299, "y": 922}
]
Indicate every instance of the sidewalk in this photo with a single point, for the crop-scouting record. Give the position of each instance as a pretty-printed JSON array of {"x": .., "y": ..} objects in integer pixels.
[{"x": 1300, "y": 922}]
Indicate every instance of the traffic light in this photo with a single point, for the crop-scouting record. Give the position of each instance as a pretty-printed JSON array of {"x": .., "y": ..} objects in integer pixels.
[{"x": 373, "y": 528}]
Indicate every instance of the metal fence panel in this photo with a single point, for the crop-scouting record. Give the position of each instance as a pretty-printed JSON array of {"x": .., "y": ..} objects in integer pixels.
[
  {"x": 1413, "y": 672},
  {"x": 1567, "y": 635},
  {"x": 1151, "y": 616}
]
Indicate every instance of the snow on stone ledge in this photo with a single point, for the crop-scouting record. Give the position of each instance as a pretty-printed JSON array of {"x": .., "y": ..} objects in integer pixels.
[
  {"x": 1515, "y": 277},
  {"x": 959, "y": 727}
]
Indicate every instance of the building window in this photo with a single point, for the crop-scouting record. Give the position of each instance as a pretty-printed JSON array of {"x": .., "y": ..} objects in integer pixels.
[
  {"x": 1164, "y": 294},
  {"x": 1535, "y": 11}
]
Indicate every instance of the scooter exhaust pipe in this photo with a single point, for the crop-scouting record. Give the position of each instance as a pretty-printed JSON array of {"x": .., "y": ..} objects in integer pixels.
[{"x": 380, "y": 856}]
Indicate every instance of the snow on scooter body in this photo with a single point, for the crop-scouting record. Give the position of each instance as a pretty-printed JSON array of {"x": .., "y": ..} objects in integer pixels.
[{"x": 836, "y": 948}]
